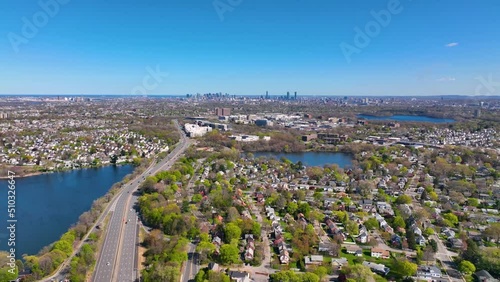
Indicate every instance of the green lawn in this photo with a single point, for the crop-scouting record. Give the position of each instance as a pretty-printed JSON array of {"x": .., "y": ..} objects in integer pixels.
[{"x": 367, "y": 256}]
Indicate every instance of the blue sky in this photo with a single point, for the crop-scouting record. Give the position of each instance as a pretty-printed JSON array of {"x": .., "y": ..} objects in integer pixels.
[{"x": 428, "y": 47}]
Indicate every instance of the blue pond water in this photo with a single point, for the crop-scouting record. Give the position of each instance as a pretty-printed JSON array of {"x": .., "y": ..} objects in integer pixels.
[
  {"x": 408, "y": 118},
  {"x": 48, "y": 204}
]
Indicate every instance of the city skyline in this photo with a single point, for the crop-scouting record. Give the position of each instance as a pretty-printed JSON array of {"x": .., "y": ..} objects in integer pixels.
[{"x": 339, "y": 48}]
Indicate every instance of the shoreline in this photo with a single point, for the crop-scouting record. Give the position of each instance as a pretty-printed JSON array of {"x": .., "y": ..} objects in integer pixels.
[{"x": 6, "y": 177}]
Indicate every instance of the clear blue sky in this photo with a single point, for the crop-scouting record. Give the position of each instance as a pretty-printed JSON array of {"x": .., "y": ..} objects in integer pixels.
[{"x": 431, "y": 47}]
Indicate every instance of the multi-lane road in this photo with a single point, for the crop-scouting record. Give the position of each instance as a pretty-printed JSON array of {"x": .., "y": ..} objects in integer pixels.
[{"x": 118, "y": 258}]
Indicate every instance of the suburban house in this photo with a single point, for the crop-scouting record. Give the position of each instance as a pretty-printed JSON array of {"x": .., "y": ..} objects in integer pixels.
[
  {"x": 380, "y": 253},
  {"x": 456, "y": 243},
  {"x": 238, "y": 276},
  {"x": 484, "y": 276},
  {"x": 354, "y": 250},
  {"x": 429, "y": 272},
  {"x": 377, "y": 267},
  {"x": 313, "y": 260},
  {"x": 363, "y": 237},
  {"x": 420, "y": 240},
  {"x": 250, "y": 247},
  {"x": 338, "y": 263}
]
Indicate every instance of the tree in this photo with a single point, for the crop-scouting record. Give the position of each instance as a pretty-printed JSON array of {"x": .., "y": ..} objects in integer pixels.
[
  {"x": 359, "y": 273},
  {"x": 428, "y": 231},
  {"x": 232, "y": 214},
  {"x": 200, "y": 276},
  {"x": 467, "y": 267},
  {"x": 213, "y": 276},
  {"x": 406, "y": 268},
  {"x": 433, "y": 196},
  {"x": 310, "y": 277},
  {"x": 292, "y": 208},
  {"x": 352, "y": 227},
  {"x": 321, "y": 271},
  {"x": 205, "y": 249},
  {"x": 232, "y": 231},
  {"x": 399, "y": 222},
  {"x": 428, "y": 253},
  {"x": 63, "y": 246},
  {"x": 472, "y": 253},
  {"x": 371, "y": 223},
  {"x": 412, "y": 243},
  {"x": 229, "y": 254},
  {"x": 451, "y": 218},
  {"x": 473, "y": 202},
  {"x": 493, "y": 232},
  {"x": 403, "y": 199}
]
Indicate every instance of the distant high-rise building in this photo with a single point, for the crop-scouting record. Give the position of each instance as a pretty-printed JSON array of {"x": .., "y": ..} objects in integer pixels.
[
  {"x": 288, "y": 95},
  {"x": 295, "y": 96},
  {"x": 477, "y": 113},
  {"x": 222, "y": 111},
  {"x": 267, "y": 94}
]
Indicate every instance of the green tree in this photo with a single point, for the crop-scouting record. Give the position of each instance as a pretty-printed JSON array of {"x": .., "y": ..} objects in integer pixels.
[
  {"x": 472, "y": 253},
  {"x": 358, "y": 273},
  {"x": 451, "y": 218},
  {"x": 321, "y": 271},
  {"x": 428, "y": 231},
  {"x": 467, "y": 267},
  {"x": 412, "y": 243},
  {"x": 493, "y": 232},
  {"x": 352, "y": 227},
  {"x": 371, "y": 223},
  {"x": 473, "y": 202},
  {"x": 403, "y": 199},
  {"x": 229, "y": 254},
  {"x": 292, "y": 208},
  {"x": 200, "y": 276},
  {"x": 63, "y": 246},
  {"x": 405, "y": 268},
  {"x": 399, "y": 222},
  {"x": 6, "y": 272},
  {"x": 232, "y": 231}
]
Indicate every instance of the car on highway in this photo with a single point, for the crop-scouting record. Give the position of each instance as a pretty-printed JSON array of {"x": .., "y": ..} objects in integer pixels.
[{"x": 108, "y": 263}]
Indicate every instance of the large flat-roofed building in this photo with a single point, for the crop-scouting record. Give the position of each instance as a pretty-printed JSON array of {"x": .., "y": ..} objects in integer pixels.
[
  {"x": 263, "y": 122},
  {"x": 222, "y": 112},
  {"x": 194, "y": 130}
]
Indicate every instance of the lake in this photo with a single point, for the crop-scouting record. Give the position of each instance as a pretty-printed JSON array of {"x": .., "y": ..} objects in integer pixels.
[
  {"x": 312, "y": 158},
  {"x": 48, "y": 204},
  {"x": 407, "y": 118}
]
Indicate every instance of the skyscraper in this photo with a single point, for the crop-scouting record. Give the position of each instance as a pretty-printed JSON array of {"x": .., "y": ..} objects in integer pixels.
[
  {"x": 288, "y": 95},
  {"x": 295, "y": 96}
]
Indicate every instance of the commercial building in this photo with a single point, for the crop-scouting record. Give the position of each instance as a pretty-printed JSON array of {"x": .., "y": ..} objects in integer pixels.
[
  {"x": 222, "y": 112},
  {"x": 194, "y": 130},
  {"x": 263, "y": 122}
]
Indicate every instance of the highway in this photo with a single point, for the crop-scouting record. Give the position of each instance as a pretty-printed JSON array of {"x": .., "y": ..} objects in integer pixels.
[{"x": 118, "y": 257}]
